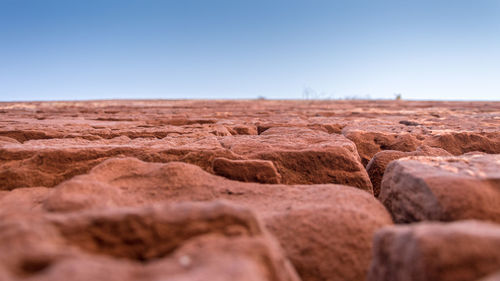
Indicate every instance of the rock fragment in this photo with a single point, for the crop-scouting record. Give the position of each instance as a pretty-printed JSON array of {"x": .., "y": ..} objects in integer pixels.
[
  {"x": 371, "y": 141},
  {"x": 443, "y": 188},
  {"x": 184, "y": 241},
  {"x": 262, "y": 171},
  {"x": 315, "y": 224},
  {"x": 458, "y": 143},
  {"x": 458, "y": 251},
  {"x": 49, "y": 162},
  {"x": 492, "y": 277},
  {"x": 376, "y": 166},
  {"x": 304, "y": 156}
]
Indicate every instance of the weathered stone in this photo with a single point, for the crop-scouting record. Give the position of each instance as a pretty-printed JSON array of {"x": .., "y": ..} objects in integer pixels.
[
  {"x": 247, "y": 170},
  {"x": 492, "y": 277},
  {"x": 370, "y": 141},
  {"x": 443, "y": 188},
  {"x": 304, "y": 156},
  {"x": 58, "y": 159},
  {"x": 376, "y": 166},
  {"x": 315, "y": 224},
  {"x": 244, "y": 130},
  {"x": 462, "y": 142},
  {"x": 188, "y": 241},
  {"x": 49, "y": 162},
  {"x": 459, "y": 251}
]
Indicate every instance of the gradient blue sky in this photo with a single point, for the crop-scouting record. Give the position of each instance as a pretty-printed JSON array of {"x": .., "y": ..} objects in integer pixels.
[{"x": 93, "y": 49}]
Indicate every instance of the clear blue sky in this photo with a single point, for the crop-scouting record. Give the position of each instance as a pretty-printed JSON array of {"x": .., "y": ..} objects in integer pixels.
[{"x": 91, "y": 49}]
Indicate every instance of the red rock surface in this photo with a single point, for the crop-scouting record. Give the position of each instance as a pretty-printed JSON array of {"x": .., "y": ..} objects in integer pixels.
[
  {"x": 492, "y": 277},
  {"x": 132, "y": 190},
  {"x": 185, "y": 241},
  {"x": 376, "y": 166},
  {"x": 314, "y": 223},
  {"x": 460, "y": 251},
  {"x": 443, "y": 188}
]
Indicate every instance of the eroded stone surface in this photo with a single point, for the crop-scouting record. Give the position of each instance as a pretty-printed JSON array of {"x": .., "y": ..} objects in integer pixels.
[
  {"x": 187, "y": 241},
  {"x": 304, "y": 156},
  {"x": 492, "y": 277},
  {"x": 247, "y": 170},
  {"x": 300, "y": 155},
  {"x": 88, "y": 169},
  {"x": 49, "y": 162},
  {"x": 315, "y": 224},
  {"x": 372, "y": 138},
  {"x": 443, "y": 188},
  {"x": 372, "y": 125},
  {"x": 376, "y": 166},
  {"x": 466, "y": 250}
]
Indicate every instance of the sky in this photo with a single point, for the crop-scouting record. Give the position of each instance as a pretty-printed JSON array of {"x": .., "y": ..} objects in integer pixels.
[{"x": 227, "y": 49}]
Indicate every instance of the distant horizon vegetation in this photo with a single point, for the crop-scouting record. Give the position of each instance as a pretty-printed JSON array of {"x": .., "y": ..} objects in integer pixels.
[
  {"x": 308, "y": 94},
  {"x": 305, "y": 97}
]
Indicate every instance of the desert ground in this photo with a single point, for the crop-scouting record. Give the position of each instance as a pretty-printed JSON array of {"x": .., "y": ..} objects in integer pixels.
[{"x": 250, "y": 190}]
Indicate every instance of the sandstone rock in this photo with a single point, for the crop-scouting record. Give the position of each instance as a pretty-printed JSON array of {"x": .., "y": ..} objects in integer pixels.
[
  {"x": 188, "y": 241},
  {"x": 247, "y": 170},
  {"x": 327, "y": 127},
  {"x": 313, "y": 157},
  {"x": 5, "y": 140},
  {"x": 304, "y": 156},
  {"x": 315, "y": 224},
  {"x": 462, "y": 142},
  {"x": 379, "y": 162},
  {"x": 443, "y": 188},
  {"x": 466, "y": 250},
  {"x": 370, "y": 139},
  {"x": 492, "y": 277},
  {"x": 49, "y": 162},
  {"x": 326, "y": 230},
  {"x": 24, "y": 198},
  {"x": 219, "y": 130},
  {"x": 22, "y": 136},
  {"x": 244, "y": 130}
]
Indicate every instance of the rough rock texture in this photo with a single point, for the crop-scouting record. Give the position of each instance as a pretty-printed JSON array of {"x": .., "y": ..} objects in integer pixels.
[
  {"x": 37, "y": 138},
  {"x": 300, "y": 155},
  {"x": 443, "y": 188},
  {"x": 187, "y": 241},
  {"x": 91, "y": 190},
  {"x": 457, "y": 137},
  {"x": 314, "y": 223},
  {"x": 460, "y": 251},
  {"x": 247, "y": 170},
  {"x": 462, "y": 142},
  {"x": 49, "y": 162},
  {"x": 369, "y": 142},
  {"x": 304, "y": 156},
  {"x": 376, "y": 166},
  {"x": 492, "y": 277}
]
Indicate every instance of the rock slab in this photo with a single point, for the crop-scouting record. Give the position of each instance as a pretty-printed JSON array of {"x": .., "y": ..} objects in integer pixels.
[
  {"x": 443, "y": 188},
  {"x": 183, "y": 241},
  {"x": 315, "y": 224},
  {"x": 430, "y": 251}
]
